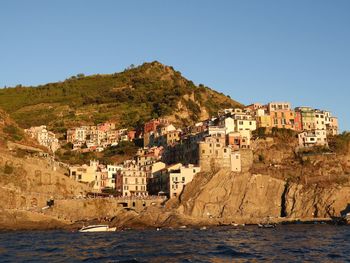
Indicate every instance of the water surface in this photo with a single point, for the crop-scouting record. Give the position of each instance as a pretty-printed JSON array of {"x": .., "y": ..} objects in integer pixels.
[{"x": 292, "y": 243}]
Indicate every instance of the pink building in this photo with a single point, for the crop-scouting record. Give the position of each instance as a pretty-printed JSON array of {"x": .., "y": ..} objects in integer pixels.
[{"x": 153, "y": 124}]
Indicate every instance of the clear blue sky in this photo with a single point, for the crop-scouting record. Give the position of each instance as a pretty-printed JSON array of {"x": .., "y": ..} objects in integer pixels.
[{"x": 296, "y": 51}]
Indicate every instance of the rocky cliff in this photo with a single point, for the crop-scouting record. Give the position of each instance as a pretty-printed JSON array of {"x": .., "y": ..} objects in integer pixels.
[
  {"x": 249, "y": 198},
  {"x": 276, "y": 182}
]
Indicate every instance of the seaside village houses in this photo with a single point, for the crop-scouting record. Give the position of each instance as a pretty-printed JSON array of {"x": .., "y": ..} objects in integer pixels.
[
  {"x": 172, "y": 157},
  {"x": 97, "y": 138},
  {"x": 44, "y": 137}
]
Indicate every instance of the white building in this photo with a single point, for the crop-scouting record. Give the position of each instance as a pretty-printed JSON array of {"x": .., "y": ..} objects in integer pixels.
[
  {"x": 313, "y": 138},
  {"x": 321, "y": 119},
  {"x": 236, "y": 165},
  {"x": 44, "y": 137},
  {"x": 112, "y": 171},
  {"x": 278, "y": 106},
  {"x": 179, "y": 177},
  {"x": 217, "y": 131},
  {"x": 229, "y": 124}
]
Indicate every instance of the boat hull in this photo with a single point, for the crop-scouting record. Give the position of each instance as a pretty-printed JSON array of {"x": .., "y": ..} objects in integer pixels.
[{"x": 97, "y": 229}]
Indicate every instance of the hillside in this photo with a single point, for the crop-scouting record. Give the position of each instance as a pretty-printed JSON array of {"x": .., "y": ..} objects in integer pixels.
[
  {"x": 130, "y": 98},
  {"x": 11, "y": 132}
]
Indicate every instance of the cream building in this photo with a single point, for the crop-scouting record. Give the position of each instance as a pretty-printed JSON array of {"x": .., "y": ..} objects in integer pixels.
[
  {"x": 179, "y": 177},
  {"x": 244, "y": 122},
  {"x": 134, "y": 181},
  {"x": 331, "y": 124},
  {"x": 214, "y": 155},
  {"x": 333, "y": 128},
  {"x": 84, "y": 173},
  {"x": 217, "y": 131}
]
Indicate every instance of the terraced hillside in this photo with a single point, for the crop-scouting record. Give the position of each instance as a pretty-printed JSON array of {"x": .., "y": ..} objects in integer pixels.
[{"x": 130, "y": 97}]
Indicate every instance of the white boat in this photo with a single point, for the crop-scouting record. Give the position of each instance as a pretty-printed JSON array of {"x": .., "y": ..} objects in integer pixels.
[{"x": 97, "y": 228}]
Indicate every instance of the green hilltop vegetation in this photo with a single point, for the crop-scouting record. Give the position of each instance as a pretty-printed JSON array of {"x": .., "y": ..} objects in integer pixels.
[{"x": 130, "y": 98}]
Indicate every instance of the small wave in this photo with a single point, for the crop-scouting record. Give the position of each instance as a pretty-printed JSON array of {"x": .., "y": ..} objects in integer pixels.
[
  {"x": 334, "y": 256},
  {"x": 228, "y": 251}
]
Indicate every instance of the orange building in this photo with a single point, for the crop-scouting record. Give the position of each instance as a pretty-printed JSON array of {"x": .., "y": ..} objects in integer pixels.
[{"x": 281, "y": 115}]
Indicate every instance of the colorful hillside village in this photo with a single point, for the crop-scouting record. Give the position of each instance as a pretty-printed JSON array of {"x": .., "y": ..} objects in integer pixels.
[{"x": 171, "y": 157}]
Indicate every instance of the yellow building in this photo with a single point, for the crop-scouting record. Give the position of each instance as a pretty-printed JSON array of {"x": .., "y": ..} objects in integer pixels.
[
  {"x": 84, "y": 173},
  {"x": 264, "y": 121}
]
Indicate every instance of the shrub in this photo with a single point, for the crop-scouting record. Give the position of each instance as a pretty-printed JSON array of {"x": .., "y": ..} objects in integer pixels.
[
  {"x": 13, "y": 132},
  {"x": 260, "y": 132},
  {"x": 340, "y": 143},
  {"x": 8, "y": 169},
  {"x": 283, "y": 133},
  {"x": 261, "y": 158}
]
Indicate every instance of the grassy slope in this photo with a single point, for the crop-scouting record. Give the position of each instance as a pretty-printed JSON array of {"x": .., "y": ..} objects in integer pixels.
[{"x": 130, "y": 98}]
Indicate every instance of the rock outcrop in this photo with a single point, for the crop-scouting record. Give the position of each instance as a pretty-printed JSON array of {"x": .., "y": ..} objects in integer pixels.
[{"x": 249, "y": 198}]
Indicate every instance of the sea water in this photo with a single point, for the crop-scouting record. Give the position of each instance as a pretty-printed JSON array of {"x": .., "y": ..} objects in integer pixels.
[{"x": 290, "y": 243}]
